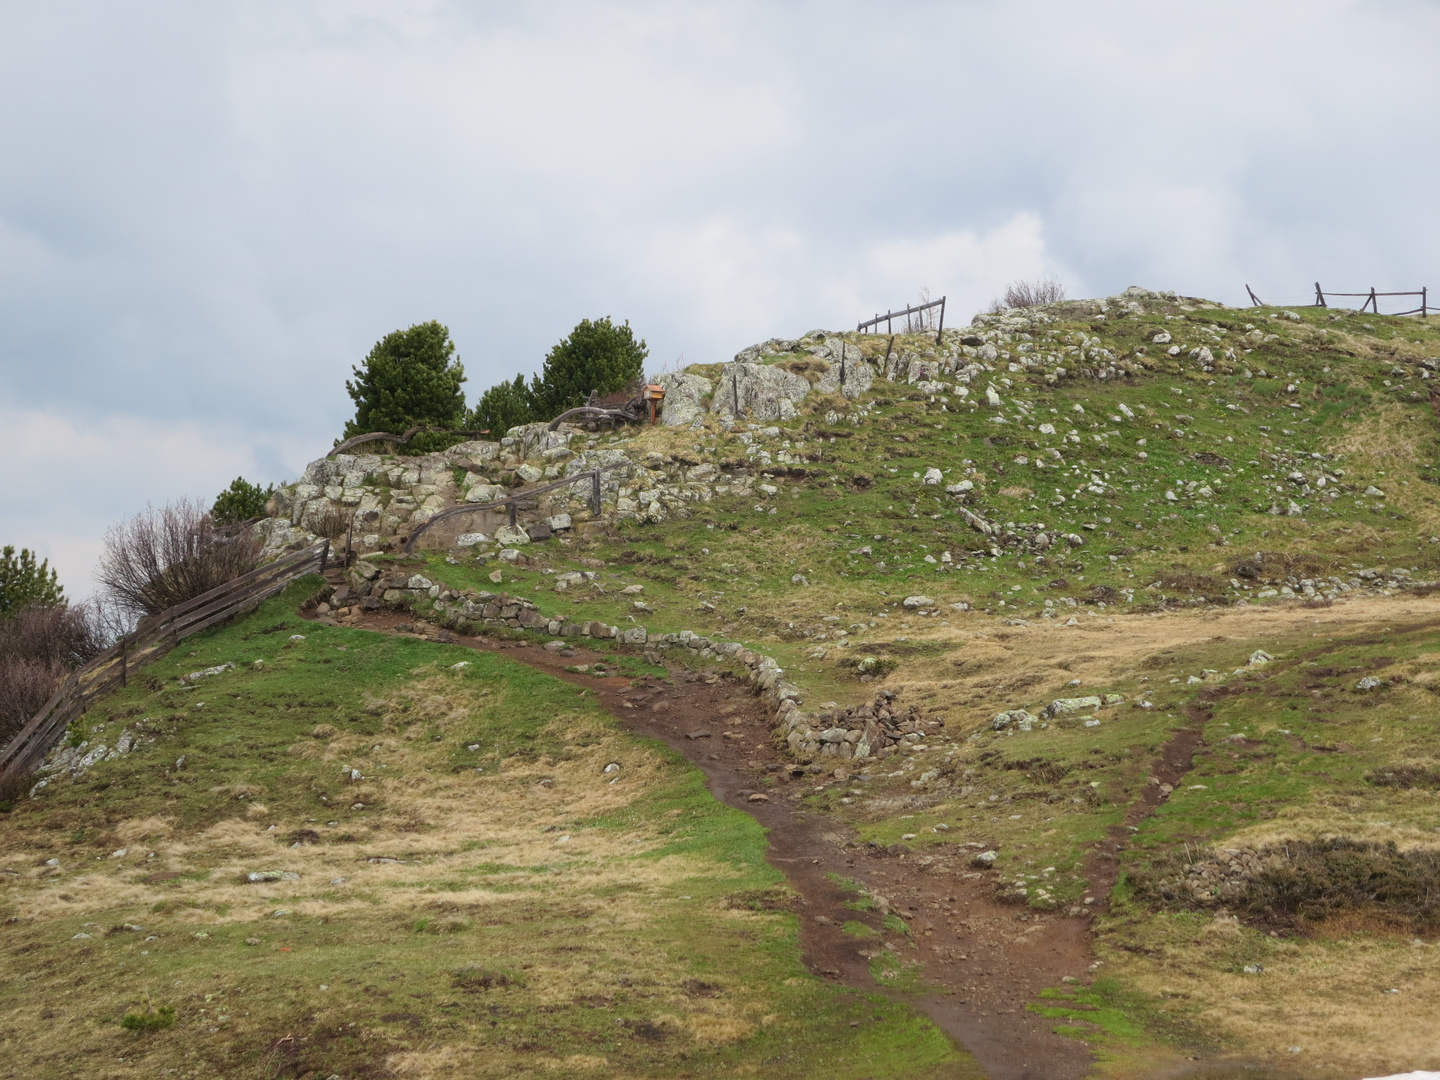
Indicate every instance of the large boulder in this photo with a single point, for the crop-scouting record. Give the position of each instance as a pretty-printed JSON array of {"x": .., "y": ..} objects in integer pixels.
[
  {"x": 760, "y": 391},
  {"x": 684, "y": 397}
]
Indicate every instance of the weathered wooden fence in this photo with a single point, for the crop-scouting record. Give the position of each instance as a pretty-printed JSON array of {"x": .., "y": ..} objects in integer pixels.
[
  {"x": 890, "y": 316},
  {"x": 151, "y": 639},
  {"x": 1371, "y": 300}
]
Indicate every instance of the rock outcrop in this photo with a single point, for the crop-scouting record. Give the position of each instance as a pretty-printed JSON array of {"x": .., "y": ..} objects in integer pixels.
[
  {"x": 758, "y": 391},
  {"x": 685, "y": 398}
]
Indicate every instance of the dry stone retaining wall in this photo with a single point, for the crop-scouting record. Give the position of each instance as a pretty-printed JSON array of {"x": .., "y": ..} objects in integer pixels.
[{"x": 858, "y": 733}]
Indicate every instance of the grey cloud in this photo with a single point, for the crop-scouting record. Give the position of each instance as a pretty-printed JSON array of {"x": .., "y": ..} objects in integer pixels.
[{"x": 208, "y": 213}]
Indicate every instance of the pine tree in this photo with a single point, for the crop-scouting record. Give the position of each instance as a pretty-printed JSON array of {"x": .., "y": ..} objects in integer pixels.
[
  {"x": 24, "y": 582},
  {"x": 598, "y": 356},
  {"x": 410, "y": 378},
  {"x": 241, "y": 501},
  {"x": 503, "y": 406}
]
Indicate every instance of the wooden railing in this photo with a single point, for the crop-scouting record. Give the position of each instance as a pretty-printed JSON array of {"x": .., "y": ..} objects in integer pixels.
[
  {"x": 890, "y": 316},
  {"x": 1371, "y": 300},
  {"x": 151, "y": 639},
  {"x": 385, "y": 436}
]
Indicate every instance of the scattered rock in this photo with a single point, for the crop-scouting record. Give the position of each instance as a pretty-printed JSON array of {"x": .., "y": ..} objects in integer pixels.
[
  {"x": 196, "y": 676},
  {"x": 1060, "y": 706}
]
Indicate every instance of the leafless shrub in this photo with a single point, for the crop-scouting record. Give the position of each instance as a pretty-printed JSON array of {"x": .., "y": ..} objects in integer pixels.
[
  {"x": 163, "y": 557},
  {"x": 64, "y": 634},
  {"x": 332, "y": 524},
  {"x": 1023, "y": 294},
  {"x": 25, "y": 685},
  {"x": 13, "y": 787},
  {"x": 38, "y": 645}
]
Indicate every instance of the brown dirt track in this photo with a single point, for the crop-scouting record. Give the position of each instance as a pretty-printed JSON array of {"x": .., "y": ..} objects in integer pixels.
[{"x": 985, "y": 961}]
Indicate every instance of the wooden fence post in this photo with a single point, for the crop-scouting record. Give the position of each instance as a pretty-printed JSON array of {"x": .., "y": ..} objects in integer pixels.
[
  {"x": 1373, "y": 302},
  {"x": 512, "y": 514},
  {"x": 124, "y": 662},
  {"x": 1319, "y": 296},
  {"x": 1254, "y": 300},
  {"x": 325, "y": 555},
  {"x": 1424, "y": 298},
  {"x": 595, "y": 493},
  {"x": 941, "y": 328}
]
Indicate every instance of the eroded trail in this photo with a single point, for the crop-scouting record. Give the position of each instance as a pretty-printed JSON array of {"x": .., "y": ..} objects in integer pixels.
[{"x": 982, "y": 961}]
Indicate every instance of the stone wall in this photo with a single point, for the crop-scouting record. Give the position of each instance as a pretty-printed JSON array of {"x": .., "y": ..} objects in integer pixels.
[{"x": 858, "y": 733}]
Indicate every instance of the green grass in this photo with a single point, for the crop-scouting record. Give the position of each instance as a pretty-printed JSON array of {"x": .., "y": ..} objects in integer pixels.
[{"x": 634, "y": 942}]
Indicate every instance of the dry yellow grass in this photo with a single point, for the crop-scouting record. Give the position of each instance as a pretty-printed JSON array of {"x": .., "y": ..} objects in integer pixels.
[{"x": 1329, "y": 998}]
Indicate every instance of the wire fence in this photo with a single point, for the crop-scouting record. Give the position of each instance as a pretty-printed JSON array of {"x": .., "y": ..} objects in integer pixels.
[{"x": 150, "y": 640}]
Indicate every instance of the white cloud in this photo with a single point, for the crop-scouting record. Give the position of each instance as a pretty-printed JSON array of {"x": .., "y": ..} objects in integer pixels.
[
  {"x": 970, "y": 267},
  {"x": 66, "y": 481}
]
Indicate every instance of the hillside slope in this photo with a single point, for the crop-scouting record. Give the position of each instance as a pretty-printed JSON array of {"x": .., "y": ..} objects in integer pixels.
[
  {"x": 1108, "y": 622},
  {"x": 361, "y": 855}
]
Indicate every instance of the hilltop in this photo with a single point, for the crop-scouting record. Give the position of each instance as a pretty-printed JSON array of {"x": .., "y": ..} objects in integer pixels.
[{"x": 1093, "y": 649}]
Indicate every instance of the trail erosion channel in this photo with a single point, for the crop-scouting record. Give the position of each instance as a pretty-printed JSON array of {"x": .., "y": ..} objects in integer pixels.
[{"x": 977, "y": 963}]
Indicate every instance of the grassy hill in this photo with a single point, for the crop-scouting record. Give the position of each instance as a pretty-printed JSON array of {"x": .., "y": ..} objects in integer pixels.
[{"x": 1225, "y": 518}]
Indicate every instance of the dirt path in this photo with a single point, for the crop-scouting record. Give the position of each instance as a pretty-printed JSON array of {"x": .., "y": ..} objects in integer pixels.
[{"x": 984, "y": 961}]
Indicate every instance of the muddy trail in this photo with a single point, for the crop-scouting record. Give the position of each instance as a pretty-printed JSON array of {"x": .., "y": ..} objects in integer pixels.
[{"x": 981, "y": 962}]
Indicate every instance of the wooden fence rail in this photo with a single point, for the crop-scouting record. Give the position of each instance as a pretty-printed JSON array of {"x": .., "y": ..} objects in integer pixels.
[
  {"x": 151, "y": 639},
  {"x": 1371, "y": 300},
  {"x": 890, "y": 316}
]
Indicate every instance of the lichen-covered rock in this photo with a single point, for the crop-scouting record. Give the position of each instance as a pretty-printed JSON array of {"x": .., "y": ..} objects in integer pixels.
[
  {"x": 849, "y": 374},
  {"x": 1060, "y": 706},
  {"x": 532, "y": 440},
  {"x": 1019, "y": 717},
  {"x": 759, "y": 391},
  {"x": 511, "y": 536},
  {"x": 684, "y": 397}
]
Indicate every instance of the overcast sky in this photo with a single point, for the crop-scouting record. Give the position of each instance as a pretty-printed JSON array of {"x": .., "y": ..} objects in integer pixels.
[{"x": 209, "y": 212}]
